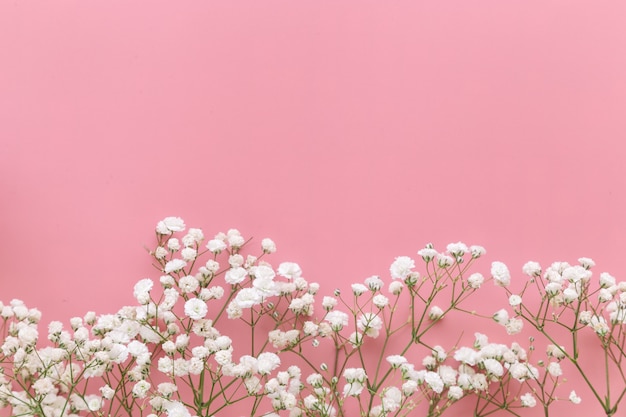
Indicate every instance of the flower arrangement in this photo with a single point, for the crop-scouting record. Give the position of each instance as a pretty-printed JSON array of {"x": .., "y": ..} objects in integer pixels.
[{"x": 224, "y": 330}]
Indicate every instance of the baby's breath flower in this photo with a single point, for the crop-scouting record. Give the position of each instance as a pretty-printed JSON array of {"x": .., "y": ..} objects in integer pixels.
[
  {"x": 500, "y": 274},
  {"x": 532, "y": 269},
  {"x": 574, "y": 398},
  {"x": 528, "y": 400},
  {"x": 435, "y": 313}
]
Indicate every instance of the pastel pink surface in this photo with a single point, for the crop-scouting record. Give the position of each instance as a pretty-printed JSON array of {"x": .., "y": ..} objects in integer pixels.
[{"x": 350, "y": 133}]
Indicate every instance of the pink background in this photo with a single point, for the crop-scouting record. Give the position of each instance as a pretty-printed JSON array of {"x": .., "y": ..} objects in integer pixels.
[{"x": 350, "y": 132}]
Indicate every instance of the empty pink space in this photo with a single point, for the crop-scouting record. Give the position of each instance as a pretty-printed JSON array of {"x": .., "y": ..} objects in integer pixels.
[{"x": 349, "y": 132}]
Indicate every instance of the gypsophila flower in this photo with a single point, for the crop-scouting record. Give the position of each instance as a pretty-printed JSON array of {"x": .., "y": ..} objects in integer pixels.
[
  {"x": 216, "y": 246},
  {"x": 606, "y": 280},
  {"x": 586, "y": 263},
  {"x": 515, "y": 300},
  {"x": 358, "y": 289},
  {"x": 528, "y": 400},
  {"x": 500, "y": 274},
  {"x": 196, "y": 309},
  {"x": 170, "y": 225},
  {"x": 395, "y": 287},
  {"x": 268, "y": 245},
  {"x": 435, "y": 313},
  {"x": 532, "y": 269},
  {"x": 428, "y": 253},
  {"x": 501, "y": 316},
  {"x": 475, "y": 280},
  {"x": 401, "y": 267},
  {"x": 396, "y": 360},
  {"x": 380, "y": 301},
  {"x": 575, "y": 399},
  {"x": 477, "y": 251},
  {"x": 374, "y": 283},
  {"x": 174, "y": 265}
]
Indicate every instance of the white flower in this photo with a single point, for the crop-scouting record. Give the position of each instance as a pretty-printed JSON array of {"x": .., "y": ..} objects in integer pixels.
[
  {"x": 606, "y": 280},
  {"x": 328, "y": 303},
  {"x": 358, "y": 289},
  {"x": 196, "y": 309},
  {"x": 554, "y": 369},
  {"x": 140, "y": 389},
  {"x": 174, "y": 265},
  {"x": 599, "y": 325},
  {"x": 380, "y": 301},
  {"x": 477, "y": 251},
  {"x": 493, "y": 367},
  {"x": 234, "y": 238},
  {"x": 268, "y": 245},
  {"x": 247, "y": 297},
  {"x": 176, "y": 409},
  {"x": 401, "y": 267},
  {"x": 604, "y": 295},
  {"x": 289, "y": 270},
  {"x": 396, "y": 360},
  {"x": 586, "y": 263},
  {"x": 395, "y": 287},
  {"x": 428, "y": 253},
  {"x": 188, "y": 284},
  {"x": 216, "y": 245},
  {"x": 554, "y": 351},
  {"x": 457, "y": 249},
  {"x": 169, "y": 225},
  {"x": 267, "y": 362},
  {"x": 337, "y": 319},
  {"x": 370, "y": 324},
  {"x": 528, "y": 400},
  {"x": 374, "y": 283},
  {"x": 514, "y": 326},
  {"x": 173, "y": 244},
  {"x": 532, "y": 269},
  {"x": 500, "y": 274},
  {"x": 515, "y": 300},
  {"x": 434, "y": 381},
  {"x": 501, "y": 316},
  {"x": 466, "y": 355},
  {"x": 142, "y": 289},
  {"x": 475, "y": 280},
  {"x": 574, "y": 398},
  {"x": 455, "y": 393},
  {"x": 235, "y": 275},
  {"x": 189, "y": 254},
  {"x": 435, "y": 313},
  {"x": 392, "y": 399}
]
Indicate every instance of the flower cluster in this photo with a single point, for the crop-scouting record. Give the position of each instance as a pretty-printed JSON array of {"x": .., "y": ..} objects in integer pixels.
[
  {"x": 221, "y": 327},
  {"x": 571, "y": 305}
]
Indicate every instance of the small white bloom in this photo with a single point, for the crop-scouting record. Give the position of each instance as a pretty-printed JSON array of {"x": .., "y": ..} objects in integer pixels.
[
  {"x": 586, "y": 263},
  {"x": 358, "y": 289},
  {"x": 500, "y": 274},
  {"x": 574, "y": 398},
  {"x": 374, "y": 283},
  {"x": 501, "y": 316},
  {"x": 532, "y": 269},
  {"x": 196, "y": 309},
  {"x": 515, "y": 300},
  {"x": 528, "y": 400},
  {"x": 174, "y": 265},
  {"x": 477, "y": 251},
  {"x": 169, "y": 225},
  {"x": 268, "y": 245},
  {"x": 475, "y": 280},
  {"x": 606, "y": 280},
  {"x": 235, "y": 275},
  {"x": 401, "y": 267},
  {"x": 435, "y": 313},
  {"x": 380, "y": 301},
  {"x": 289, "y": 270},
  {"x": 395, "y": 287},
  {"x": 554, "y": 369},
  {"x": 396, "y": 360},
  {"x": 216, "y": 246}
]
